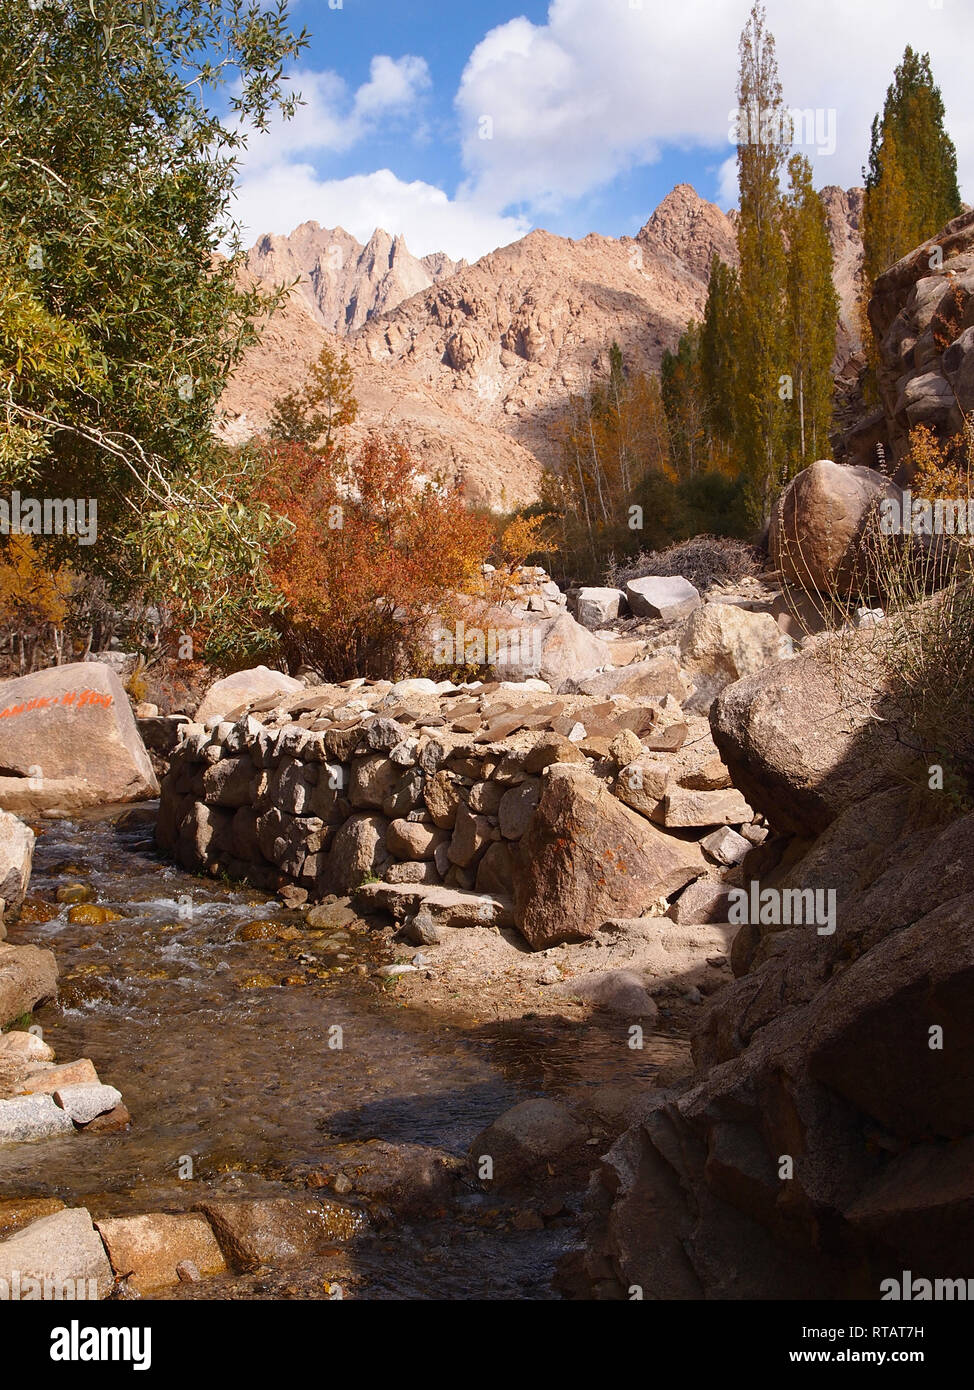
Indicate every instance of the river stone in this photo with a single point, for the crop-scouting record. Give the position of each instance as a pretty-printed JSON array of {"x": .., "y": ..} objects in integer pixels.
[
  {"x": 616, "y": 991},
  {"x": 701, "y": 901},
  {"x": 373, "y": 779},
  {"x": 586, "y": 858},
  {"x": 383, "y": 734},
  {"x": 662, "y": 596},
  {"x": 230, "y": 782},
  {"x": 485, "y": 798},
  {"x": 85, "y": 1102},
  {"x": 551, "y": 748},
  {"x": 24, "y": 1047},
  {"x": 60, "y": 1250},
  {"x": 24, "y": 1119},
  {"x": 449, "y": 907},
  {"x": 525, "y": 1139},
  {"x": 145, "y": 1250},
  {"x": 279, "y": 1230},
  {"x": 46, "y": 1078},
  {"x": 408, "y": 1177},
  {"x": 411, "y": 871},
  {"x": 204, "y": 835},
  {"x": 28, "y": 975},
  {"x": 495, "y": 872},
  {"x": 244, "y": 689},
  {"x": 421, "y": 930},
  {"x": 16, "y": 857},
  {"x": 68, "y": 739},
  {"x": 642, "y": 784},
  {"x": 442, "y": 799},
  {"x": 726, "y": 846}
]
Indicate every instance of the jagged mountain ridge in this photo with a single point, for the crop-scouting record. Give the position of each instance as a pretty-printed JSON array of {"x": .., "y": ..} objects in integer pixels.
[{"x": 342, "y": 282}]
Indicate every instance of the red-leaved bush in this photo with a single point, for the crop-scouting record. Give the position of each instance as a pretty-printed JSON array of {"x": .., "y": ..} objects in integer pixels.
[{"x": 375, "y": 554}]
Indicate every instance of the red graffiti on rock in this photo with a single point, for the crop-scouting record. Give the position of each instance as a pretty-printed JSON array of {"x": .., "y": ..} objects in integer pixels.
[{"x": 76, "y": 699}]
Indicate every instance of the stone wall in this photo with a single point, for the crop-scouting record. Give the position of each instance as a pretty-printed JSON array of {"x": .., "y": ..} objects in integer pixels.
[{"x": 438, "y": 785}]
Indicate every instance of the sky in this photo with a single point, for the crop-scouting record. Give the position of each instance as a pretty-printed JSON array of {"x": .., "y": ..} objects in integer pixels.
[{"x": 463, "y": 125}]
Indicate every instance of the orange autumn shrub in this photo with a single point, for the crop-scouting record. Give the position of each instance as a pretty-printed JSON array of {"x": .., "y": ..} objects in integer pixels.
[{"x": 374, "y": 553}]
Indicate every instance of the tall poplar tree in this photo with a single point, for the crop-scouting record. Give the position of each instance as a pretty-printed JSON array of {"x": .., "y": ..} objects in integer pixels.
[
  {"x": 764, "y": 136},
  {"x": 719, "y": 354},
  {"x": 812, "y": 312},
  {"x": 911, "y": 179}
]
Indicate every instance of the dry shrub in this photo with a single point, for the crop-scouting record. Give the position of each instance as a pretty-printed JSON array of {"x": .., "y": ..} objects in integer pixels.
[
  {"x": 703, "y": 560},
  {"x": 375, "y": 551}
]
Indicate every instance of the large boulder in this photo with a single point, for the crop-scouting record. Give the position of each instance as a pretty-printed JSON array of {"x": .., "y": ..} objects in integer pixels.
[
  {"x": 520, "y": 647},
  {"x": 597, "y": 607},
  {"x": 801, "y": 744},
  {"x": 921, "y": 313},
  {"x": 16, "y": 857},
  {"x": 569, "y": 650},
  {"x": 825, "y": 1143},
  {"x": 28, "y": 975},
  {"x": 586, "y": 858},
  {"x": 68, "y": 739},
  {"x": 669, "y": 597},
  {"x": 723, "y": 643},
  {"x": 656, "y": 676},
  {"x": 818, "y": 524},
  {"x": 244, "y": 689},
  {"x": 62, "y": 1253}
]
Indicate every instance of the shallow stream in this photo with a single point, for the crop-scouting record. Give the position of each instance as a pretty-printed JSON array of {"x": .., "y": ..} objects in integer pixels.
[{"x": 220, "y": 1047}]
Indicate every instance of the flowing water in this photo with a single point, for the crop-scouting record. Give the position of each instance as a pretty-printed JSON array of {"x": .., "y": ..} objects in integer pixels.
[{"x": 221, "y": 1049}]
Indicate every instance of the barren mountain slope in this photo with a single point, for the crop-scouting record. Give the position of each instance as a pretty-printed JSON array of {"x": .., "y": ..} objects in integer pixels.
[{"x": 475, "y": 369}]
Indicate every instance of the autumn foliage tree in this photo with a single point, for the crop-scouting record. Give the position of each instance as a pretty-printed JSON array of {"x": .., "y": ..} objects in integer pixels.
[
  {"x": 374, "y": 554},
  {"x": 321, "y": 408},
  {"x": 613, "y": 480},
  {"x": 911, "y": 178}
]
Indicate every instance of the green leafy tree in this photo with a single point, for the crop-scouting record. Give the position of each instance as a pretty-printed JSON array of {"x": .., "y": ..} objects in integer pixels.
[
  {"x": 813, "y": 310},
  {"x": 325, "y": 404},
  {"x": 760, "y": 414},
  {"x": 720, "y": 353},
  {"x": 683, "y": 400},
  {"x": 120, "y": 319}
]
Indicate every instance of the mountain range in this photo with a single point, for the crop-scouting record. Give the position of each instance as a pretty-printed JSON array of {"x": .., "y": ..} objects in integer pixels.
[{"x": 472, "y": 364}]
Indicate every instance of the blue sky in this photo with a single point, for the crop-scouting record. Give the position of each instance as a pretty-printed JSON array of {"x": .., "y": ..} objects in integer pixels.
[{"x": 464, "y": 125}]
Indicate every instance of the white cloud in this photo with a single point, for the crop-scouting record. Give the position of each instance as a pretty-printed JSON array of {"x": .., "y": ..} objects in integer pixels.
[
  {"x": 727, "y": 191},
  {"x": 599, "y": 88},
  {"x": 605, "y": 84},
  {"x": 278, "y": 198},
  {"x": 331, "y": 119}
]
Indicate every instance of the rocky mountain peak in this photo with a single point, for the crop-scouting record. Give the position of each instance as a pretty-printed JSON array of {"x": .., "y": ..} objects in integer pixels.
[
  {"x": 343, "y": 283},
  {"x": 692, "y": 229}
]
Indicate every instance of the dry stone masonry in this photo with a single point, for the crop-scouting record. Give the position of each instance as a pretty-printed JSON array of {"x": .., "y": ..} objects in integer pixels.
[{"x": 484, "y": 804}]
